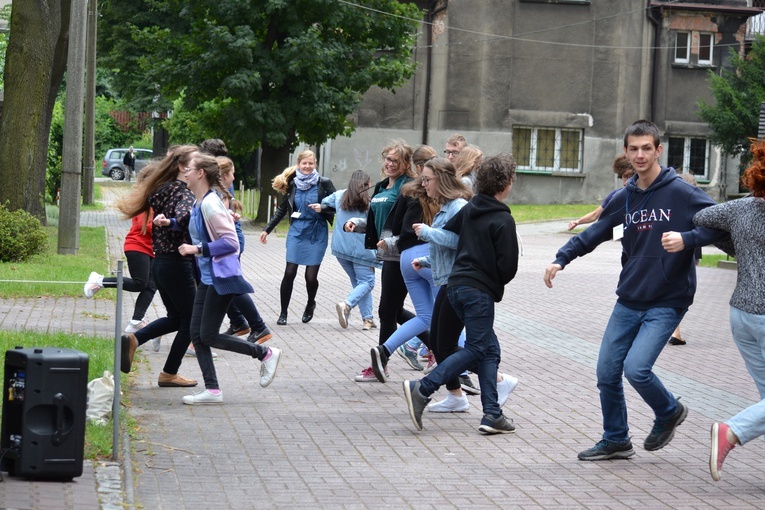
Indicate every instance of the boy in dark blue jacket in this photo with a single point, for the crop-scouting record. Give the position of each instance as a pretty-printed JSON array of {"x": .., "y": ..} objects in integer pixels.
[
  {"x": 654, "y": 291},
  {"x": 487, "y": 259}
]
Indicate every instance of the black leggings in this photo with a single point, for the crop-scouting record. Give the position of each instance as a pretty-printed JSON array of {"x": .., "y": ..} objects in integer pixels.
[
  {"x": 141, "y": 281},
  {"x": 392, "y": 295},
  {"x": 311, "y": 284},
  {"x": 445, "y": 329}
]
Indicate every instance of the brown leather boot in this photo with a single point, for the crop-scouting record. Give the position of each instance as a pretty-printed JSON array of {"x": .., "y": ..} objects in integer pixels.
[
  {"x": 129, "y": 345},
  {"x": 174, "y": 381}
]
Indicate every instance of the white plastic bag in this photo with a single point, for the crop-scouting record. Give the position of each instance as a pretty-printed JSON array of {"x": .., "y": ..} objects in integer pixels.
[{"x": 100, "y": 398}]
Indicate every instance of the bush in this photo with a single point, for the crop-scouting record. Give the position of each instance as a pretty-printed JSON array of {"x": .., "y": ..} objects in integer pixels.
[{"x": 21, "y": 235}]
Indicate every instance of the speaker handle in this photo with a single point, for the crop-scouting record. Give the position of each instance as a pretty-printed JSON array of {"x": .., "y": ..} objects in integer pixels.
[{"x": 61, "y": 402}]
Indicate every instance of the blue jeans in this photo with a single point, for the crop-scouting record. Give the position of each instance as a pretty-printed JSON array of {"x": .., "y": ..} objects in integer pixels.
[
  {"x": 475, "y": 308},
  {"x": 632, "y": 342},
  {"x": 422, "y": 292},
  {"x": 749, "y": 334},
  {"x": 363, "y": 281}
]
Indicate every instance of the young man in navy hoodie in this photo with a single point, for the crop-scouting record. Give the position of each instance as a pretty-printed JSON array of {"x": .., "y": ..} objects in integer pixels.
[
  {"x": 487, "y": 259},
  {"x": 654, "y": 291}
]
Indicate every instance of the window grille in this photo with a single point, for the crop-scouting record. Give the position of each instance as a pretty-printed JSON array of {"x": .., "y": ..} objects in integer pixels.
[{"x": 544, "y": 149}]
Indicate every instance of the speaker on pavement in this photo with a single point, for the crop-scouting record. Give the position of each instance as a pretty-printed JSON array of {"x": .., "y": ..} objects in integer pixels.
[{"x": 45, "y": 398}]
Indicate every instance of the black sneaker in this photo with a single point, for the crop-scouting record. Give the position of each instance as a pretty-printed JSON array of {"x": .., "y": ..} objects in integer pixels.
[
  {"x": 496, "y": 425},
  {"x": 259, "y": 337},
  {"x": 664, "y": 430},
  {"x": 379, "y": 362},
  {"x": 467, "y": 385},
  {"x": 606, "y": 449},
  {"x": 238, "y": 330},
  {"x": 415, "y": 402}
]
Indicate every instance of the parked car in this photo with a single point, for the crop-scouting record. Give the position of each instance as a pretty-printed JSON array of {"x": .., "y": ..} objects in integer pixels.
[{"x": 113, "y": 166}]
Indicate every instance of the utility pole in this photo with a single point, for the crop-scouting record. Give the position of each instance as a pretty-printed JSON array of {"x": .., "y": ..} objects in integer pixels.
[
  {"x": 71, "y": 157},
  {"x": 89, "y": 157}
]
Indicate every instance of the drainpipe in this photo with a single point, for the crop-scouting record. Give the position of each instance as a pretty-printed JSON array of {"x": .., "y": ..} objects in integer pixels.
[
  {"x": 432, "y": 11},
  {"x": 655, "y": 18}
]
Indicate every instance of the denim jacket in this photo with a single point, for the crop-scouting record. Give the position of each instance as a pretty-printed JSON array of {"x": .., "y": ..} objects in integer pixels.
[
  {"x": 347, "y": 245},
  {"x": 443, "y": 243}
]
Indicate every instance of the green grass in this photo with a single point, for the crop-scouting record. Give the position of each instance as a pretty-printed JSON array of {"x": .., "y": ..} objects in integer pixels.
[
  {"x": 711, "y": 260},
  {"x": 51, "y": 267},
  {"x": 97, "y": 204},
  {"x": 532, "y": 213},
  {"x": 98, "y": 438}
]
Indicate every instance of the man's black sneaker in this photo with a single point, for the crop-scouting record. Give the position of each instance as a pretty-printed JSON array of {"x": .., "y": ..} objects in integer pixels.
[
  {"x": 379, "y": 362},
  {"x": 415, "y": 402},
  {"x": 606, "y": 449},
  {"x": 496, "y": 425},
  {"x": 664, "y": 430},
  {"x": 467, "y": 385}
]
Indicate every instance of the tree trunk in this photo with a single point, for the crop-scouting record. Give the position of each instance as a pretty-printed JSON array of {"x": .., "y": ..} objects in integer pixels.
[
  {"x": 33, "y": 73},
  {"x": 272, "y": 162}
]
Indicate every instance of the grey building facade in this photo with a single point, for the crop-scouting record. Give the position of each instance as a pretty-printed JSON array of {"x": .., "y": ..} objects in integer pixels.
[{"x": 556, "y": 82}]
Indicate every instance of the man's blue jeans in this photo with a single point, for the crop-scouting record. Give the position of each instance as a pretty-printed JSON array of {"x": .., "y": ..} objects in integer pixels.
[
  {"x": 475, "y": 308},
  {"x": 632, "y": 342}
]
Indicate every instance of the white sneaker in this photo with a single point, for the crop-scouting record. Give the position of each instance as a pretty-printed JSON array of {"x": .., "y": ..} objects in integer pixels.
[
  {"x": 505, "y": 388},
  {"x": 268, "y": 367},
  {"x": 367, "y": 375},
  {"x": 156, "y": 343},
  {"x": 343, "y": 312},
  {"x": 193, "y": 354},
  {"x": 134, "y": 326},
  {"x": 95, "y": 283},
  {"x": 203, "y": 397},
  {"x": 450, "y": 404}
]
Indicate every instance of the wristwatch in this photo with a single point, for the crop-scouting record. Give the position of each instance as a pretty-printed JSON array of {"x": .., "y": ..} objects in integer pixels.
[{"x": 199, "y": 249}]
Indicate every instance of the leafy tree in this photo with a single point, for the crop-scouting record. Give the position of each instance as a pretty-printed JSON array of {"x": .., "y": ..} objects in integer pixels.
[
  {"x": 268, "y": 74},
  {"x": 108, "y": 135},
  {"x": 738, "y": 93}
]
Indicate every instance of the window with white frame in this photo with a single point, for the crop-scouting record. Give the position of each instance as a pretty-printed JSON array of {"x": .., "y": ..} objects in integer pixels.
[
  {"x": 546, "y": 149},
  {"x": 686, "y": 51},
  {"x": 682, "y": 47},
  {"x": 689, "y": 154},
  {"x": 706, "y": 42}
]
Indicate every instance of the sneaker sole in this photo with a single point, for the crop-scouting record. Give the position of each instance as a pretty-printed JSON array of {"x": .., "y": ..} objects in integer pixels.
[
  {"x": 410, "y": 405},
  {"x": 488, "y": 430},
  {"x": 218, "y": 402},
  {"x": 661, "y": 445},
  {"x": 448, "y": 411},
  {"x": 364, "y": 379},
  {"x": 125, "y": 364},
  {"x": 616, "y": 455},
  {"x": 716, "y": 475},
  {"x": 341, "y": 316},
  {"x": 176, "y": 385},
  {"x": 377, "y": 365},
  {"x": 470, "y": 390}
]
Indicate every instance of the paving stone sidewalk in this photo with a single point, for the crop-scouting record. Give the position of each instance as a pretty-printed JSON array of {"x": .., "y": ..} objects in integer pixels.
[{"x": 317, "y": 439}]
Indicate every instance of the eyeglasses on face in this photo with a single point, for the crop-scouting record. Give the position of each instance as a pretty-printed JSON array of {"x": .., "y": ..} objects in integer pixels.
[
  {"x": 391, "y": 161},
  {"x": 426, "y": 180},
  {"x": 448, "y": 153},
  {"x": 189, "y": 169}
]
